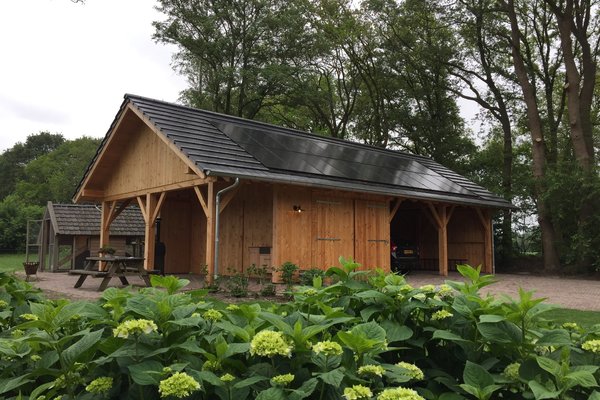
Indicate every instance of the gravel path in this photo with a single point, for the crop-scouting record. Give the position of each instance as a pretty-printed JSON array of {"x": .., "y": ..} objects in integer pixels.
[{"x": 582, "y": 294}]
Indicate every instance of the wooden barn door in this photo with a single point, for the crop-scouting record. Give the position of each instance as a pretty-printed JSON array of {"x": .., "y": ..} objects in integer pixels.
[
  {"x": 372, "y": 243},
  {"x": 332, "y": 230}
]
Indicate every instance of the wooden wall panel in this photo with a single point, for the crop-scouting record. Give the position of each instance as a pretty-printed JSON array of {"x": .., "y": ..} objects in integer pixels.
[
  {"x": 332, "y": 230},
  {"x": 258, "y": 221},
  {"x": 231, "y": 236},
  {"x": 292, "y": 230},
  {"x": 466, "y": 237},
  {"x": 372, "y": 234},
  {"x": 145, "y": 163},
  {"x": 175, "y": 233}
]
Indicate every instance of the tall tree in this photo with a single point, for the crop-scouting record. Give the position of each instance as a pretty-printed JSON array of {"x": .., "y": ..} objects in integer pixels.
[
  {"x": 13, "y": 160},
  {"x": 238, "y": 54},
  {"x": 534, "y": 122}
]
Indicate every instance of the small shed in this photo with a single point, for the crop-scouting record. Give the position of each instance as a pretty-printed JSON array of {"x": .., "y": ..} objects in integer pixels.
[
  {"x": 231, "y": 192},
  {"x": 71, "y": 232}
]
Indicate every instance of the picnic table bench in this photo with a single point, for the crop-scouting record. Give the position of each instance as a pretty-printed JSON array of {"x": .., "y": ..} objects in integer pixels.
[{"x": 115, "y": 267}]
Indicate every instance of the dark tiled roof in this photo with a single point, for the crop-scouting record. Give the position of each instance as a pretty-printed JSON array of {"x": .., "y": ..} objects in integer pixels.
[
  {"x": 222, "y": 145},
  {"x": 84, "y": 219}
]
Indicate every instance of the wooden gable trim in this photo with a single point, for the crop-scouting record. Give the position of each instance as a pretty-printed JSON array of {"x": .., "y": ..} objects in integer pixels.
[
  {"x": 192, "y": 167},
  {"x": 109, "y": 138}
]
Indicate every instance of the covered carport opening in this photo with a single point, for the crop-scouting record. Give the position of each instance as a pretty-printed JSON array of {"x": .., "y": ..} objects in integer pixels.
[{"x": 421, "y": 230}]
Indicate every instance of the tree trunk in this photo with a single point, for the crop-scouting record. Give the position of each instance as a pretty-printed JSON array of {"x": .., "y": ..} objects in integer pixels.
[{"x": 549, "y": 248}]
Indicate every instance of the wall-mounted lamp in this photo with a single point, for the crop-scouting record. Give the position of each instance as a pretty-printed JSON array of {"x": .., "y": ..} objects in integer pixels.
[{"x": 298, "y": 208}]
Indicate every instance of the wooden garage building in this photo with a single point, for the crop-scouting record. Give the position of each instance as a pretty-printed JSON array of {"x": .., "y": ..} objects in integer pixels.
[
  {"x": 232, "y": 192},
  {"x": 71, "y": 232}
]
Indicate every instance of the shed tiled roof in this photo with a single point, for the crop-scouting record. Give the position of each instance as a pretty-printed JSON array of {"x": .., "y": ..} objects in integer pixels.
[
  {"x": 222, "y": 145},
  {"x": 84, "y": 219}
]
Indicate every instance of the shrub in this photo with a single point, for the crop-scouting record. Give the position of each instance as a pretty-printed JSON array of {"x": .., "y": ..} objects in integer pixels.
[{"x": 358, "y": 338}]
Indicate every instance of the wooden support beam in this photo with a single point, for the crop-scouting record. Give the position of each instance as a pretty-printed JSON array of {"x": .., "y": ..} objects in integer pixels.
[
  {"x": 150, "y": 206},
  {"x": 105, "y": 220},
  {"x": 227, "y": 199},
  {"x": 202, "y": 200},
  {"x": 443, "y": 240},
  {"x": 486, "y": 221},
  {"x": 440, "y": 217},
  {"x": 210, "y": 232},
  {"x": 395, "y": 209}
]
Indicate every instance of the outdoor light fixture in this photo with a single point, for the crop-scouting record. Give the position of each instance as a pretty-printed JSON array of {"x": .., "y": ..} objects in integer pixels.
[{"x": 297, "y": 208}]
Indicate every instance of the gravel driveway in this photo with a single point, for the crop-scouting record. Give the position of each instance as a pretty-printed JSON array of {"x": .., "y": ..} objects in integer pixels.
[{"x": 582, "y": 294}]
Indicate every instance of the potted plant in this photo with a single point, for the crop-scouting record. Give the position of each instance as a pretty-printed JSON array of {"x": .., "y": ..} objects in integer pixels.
[{"x": 106, "y": 251}]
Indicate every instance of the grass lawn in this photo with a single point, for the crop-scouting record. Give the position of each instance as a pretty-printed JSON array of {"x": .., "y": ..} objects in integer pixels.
[
  {"x": 11, "y": 262},
  {"x": 585, "y": 319}
]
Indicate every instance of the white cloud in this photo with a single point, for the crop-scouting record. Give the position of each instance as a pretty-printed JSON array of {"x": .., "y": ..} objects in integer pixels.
[{"x": 66, "y": 66}]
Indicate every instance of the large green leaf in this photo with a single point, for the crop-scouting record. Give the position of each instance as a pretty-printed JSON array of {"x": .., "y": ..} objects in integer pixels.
[
  {"x": 146, "y": 373},
  {"x": 74, "y": 352},
  {"x": 305, "y": 390},
  {"x": 395, "y": 331},
  {"x": 334, "y": 377},
  {"x": 557, "y": 337},
  {"x": 271, "y": 394},
  {"x": 540, "y": 392},
  {"x": 449, "y": 336},
  {"x": 500, "y": 332},
  {"x": 582, "y": 378},
  {"x": 9, "y": 384},
  {"x": 476, "y": 376},
  {"x": 549, "y": 365}
]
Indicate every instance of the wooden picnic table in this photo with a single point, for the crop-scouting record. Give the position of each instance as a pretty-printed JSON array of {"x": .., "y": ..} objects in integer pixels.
[{"x": 120, "y": 267}]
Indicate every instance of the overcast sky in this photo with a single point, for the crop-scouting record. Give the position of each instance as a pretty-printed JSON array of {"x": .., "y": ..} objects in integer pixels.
[{"x": 65, "y": 66}]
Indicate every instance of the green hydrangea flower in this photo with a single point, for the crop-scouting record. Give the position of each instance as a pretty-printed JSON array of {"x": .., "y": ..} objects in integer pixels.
[
  {"x": 29, "y": 317},
  {"x": 134, "y": 327},
  {"x": 357, "y": 392},
  {"x": 592, "y": 345},
  {"x": 441, "y": 314},
  {"x": 178, "y": 385},
  {"x": 445, "y": 290},
  {"x": 100, "y": 385},
  {"x": 35, "y": 358},
  {"x": 420, "y": 296},
  {"x": 270, "y": 343},
  {"x": 212, "y": 315},
  {"x": 399, "y": 393},
  {"x": 310, "y": 292},
  {"x": 512, "y": 371},
  {"x": 428, "y": 288},
  {"x": 572, "y": 326},
  {"x": 328, "y": 348},
  {"x": 412, "y": 370},
  {"x": 232, "y": 307},
  {"x": 282, "y": 380},
  {"x": 406, "y": 288},
  {"x": 371, "y": 369},
  {"x": 227, "y": 378},
  {"x": 211, "y": 366},
  {"x": 3, "y": 304}
]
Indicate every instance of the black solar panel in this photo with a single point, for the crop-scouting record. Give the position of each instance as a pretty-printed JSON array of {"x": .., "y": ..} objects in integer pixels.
[{"x": 287, "y": 152}]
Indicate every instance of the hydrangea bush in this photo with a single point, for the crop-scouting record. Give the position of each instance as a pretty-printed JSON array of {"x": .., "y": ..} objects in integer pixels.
[{"x": 367, "y": 335}]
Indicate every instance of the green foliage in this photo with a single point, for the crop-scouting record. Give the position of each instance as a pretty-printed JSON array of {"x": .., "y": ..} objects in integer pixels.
[
  {"x": 49, "y": 168},
  {"x": 14, "y": 160},
  {"x": 307, "y": 276},
  {"x": 374, "y": 332},
  {"x": 288, "y": 273}
]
